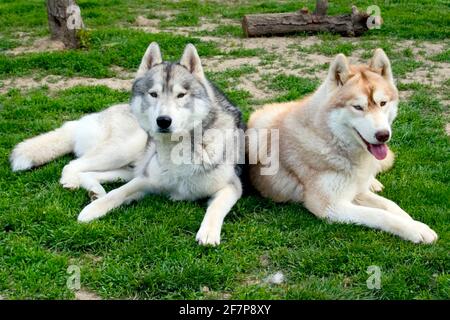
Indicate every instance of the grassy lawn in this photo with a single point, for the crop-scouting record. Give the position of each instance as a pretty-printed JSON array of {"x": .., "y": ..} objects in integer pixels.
[{"x": 147, "y": 250}]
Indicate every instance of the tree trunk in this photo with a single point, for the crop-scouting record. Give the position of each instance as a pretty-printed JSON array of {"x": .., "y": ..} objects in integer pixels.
[
  {"x": 64, "y": 20},
  {"x": 321, "y": 7},
  {"x": 351, "y": 25}
]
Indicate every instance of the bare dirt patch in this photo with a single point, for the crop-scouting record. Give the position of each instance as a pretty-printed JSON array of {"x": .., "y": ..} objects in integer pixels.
[
  {"x": 60, "y": 83},
  {"x": 122, "y": 73},
  {"x": 278, "y": 45},
  {"x": 86, "y": 295},
  {"x": 250, "y": 84},
  {"x": 38, "y": 45},
  {"x": 433, "y": 74},
  {"x": 153, "y": 25},
  {"x": 222, "y": 64},
  {"x": 93, "y": 258},
  {"x": 447, "y": 129},
  {"x": 142, "y": 21},
  {"x": 216, "y": 295},
  {"x": 288, "y": 57},
  {"x": 431, "y": 48},
  {"x": 405, "y": 95}
]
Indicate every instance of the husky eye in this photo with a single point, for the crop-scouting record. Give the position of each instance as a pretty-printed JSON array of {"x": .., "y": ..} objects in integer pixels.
[
  {"x": 382, "y": 103},
  {"x": 181, "y": 95},
  {"x": 154, "y": 94},
  {"x": 358, "y": 107}
]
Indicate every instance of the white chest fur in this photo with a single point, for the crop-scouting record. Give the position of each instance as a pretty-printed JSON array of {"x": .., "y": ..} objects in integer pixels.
[{"x": 181, "y": 181}]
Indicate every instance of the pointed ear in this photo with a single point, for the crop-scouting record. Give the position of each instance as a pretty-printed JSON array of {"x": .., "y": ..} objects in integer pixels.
[
  {"x": 152, "y": 57},
  {"x": 339, "y": 70},
  {"x": 191, "y": 61},
  {"x": 380, "y": 63}
]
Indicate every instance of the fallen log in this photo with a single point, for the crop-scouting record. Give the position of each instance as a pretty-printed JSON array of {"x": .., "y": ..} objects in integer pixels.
[{"x": 350, "y": 25}]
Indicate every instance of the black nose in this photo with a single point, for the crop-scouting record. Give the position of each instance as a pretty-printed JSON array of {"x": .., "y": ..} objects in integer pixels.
[
  {"x": 164, "y": 122},
  {"x": 382, "y": 135}
]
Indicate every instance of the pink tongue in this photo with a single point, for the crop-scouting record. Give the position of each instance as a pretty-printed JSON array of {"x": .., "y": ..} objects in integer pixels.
[{"x": 379, "y": 151}]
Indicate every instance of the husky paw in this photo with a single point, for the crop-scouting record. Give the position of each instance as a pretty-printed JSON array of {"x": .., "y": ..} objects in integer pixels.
[
  {"x": 421, "y": 233},
  {"x": 208, "y": 235},
  {"x": 376, "y": 186},
  {"x": 69, "y": 183},
  {"x": 95, "y": 194},
  {"x": 91, "y": 212},
  {"x": 69, "y": 180}
]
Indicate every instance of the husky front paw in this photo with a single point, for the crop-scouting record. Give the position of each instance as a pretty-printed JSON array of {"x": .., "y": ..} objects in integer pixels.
[
  {"x": 208, "y": 235},
  {"x": 91, "y": 212},
  {"x": 95, "y": 194},
  {"x": 376, "y": 186},
  {"x": 421, "y": 233}
]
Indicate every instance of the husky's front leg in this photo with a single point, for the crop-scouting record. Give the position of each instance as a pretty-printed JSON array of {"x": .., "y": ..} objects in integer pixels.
[
  {"x": 405, "y": 228},
  {"x": 133, "y": 190},
  {"x": 219, "y": 206},
  {"x": 373, "y": 200}
]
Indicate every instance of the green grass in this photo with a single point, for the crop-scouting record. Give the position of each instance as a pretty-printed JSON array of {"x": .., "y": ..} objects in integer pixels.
[
  {"x": 222, "y": 30},
  {"x": 6, "y": 44},
  {"x": 427, "y": 19},
  {"x": 147, "y": 250},
  {"x": 331, "y": 48},
  {"x": 110, "y": 47},
  {"x": 294, "y": 87},
  {"x": 181, "y": 20},
  {"x": 442, "y": 57}
]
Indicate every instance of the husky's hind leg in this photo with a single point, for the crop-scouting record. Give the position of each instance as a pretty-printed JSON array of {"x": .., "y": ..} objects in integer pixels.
[
  {"x": 103, "y": 161},
  {"x": 130, "y": 191},
  {"x": 219, "y": 206},
  {"x": 92, "y": 181},
  {"x": 111, "y": 156}
]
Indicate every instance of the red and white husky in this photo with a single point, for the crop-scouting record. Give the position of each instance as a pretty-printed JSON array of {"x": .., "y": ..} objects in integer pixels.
[{"x": 331, "y": 146}]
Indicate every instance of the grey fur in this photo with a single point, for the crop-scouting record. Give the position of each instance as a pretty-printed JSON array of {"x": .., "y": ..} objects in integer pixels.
[{"x": 175, "y": 72}]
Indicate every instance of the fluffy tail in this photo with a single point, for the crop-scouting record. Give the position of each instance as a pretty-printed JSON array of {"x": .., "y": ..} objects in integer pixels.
[{"x": 43, "y": 148}]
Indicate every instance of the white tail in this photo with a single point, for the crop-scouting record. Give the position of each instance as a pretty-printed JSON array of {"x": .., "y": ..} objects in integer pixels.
[{"x": 43, "y": 148}]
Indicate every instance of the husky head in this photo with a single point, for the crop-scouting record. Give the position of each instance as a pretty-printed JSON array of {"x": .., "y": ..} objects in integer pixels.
[
  {"x": 170, "y": 97},
  {"x": 363, "y": 101}
]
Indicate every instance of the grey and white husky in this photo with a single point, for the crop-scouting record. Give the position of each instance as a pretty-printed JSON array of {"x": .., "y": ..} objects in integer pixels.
[{"x": 142, "y": 147}]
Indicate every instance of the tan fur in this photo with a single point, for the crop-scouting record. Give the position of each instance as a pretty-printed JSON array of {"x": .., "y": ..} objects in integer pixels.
[{"x": 323, "y": 163}]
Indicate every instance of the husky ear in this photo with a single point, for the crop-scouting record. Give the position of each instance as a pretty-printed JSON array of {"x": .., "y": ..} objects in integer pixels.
[
  {"x": 191, "y": 61},
  {"x": 380, "y": 63},
  {"x": 339, "y": 70},
  {"x": 152, "y": 57}
]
